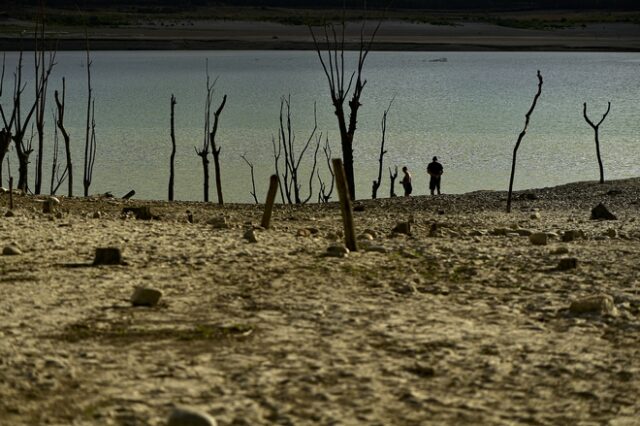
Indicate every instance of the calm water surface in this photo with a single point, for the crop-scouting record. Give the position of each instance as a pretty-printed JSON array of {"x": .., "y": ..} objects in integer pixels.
[{"x": 468, "y": 111}]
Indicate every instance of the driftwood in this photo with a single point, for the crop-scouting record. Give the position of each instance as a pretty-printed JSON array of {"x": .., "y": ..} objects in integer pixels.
[
  {"x": 596, "y": 129},
  {"x": 129, "y": 194},
  {"x": 522, "y": 133}
]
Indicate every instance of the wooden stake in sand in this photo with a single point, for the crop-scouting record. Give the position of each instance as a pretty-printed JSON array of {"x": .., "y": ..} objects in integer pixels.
[
  {"x": 271, "y": 197},
  {"x": 345, "y": 205},
  {"x": 11, "y": 193}
]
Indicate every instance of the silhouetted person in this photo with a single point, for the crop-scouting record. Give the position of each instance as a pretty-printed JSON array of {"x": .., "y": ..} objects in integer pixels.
[
  {"x": 406, "y": 182},
  {"x": 435, "y": 170}
]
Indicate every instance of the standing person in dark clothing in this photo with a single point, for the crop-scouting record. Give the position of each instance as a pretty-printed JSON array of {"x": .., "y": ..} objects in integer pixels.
[
  {"x": 435, "y": 170},
  {"x": 406, "y": 182}
]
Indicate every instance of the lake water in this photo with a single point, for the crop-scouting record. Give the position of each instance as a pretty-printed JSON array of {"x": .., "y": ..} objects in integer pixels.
[{"x": 468, "y": 111}]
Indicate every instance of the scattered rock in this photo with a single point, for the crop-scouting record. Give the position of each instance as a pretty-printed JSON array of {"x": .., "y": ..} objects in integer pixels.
[
  {"x": 9, "y": 213},
  {"x": 403, "y": 288},
  {"x": 534, "y": 216},
  {"x": 11, "y": 250},
  {"x": 433, "y": 230},
  {"x": 189, "y": 216},
  {"x": 402, "y": 228},
  {"x": 601, "y": 304},
  {"x": 140, "y": 213},
  {"x": 611, "y": 233},
  {"x": 107, "y": 256},
  {"x": 500, "y": 231},
  {"x": 313, "y": 231},
  {"x": 97, "y": 215},
  {"x": 572, "y": 235},
  {"x": 182, "y": 416},
  {"x": 567, "y": 263},
  {"x": 477, "y": 233},
  {"x": 303, "y": 233},
  {"x": 600, "y": 212},
  {"x": 614, "y": 192},
  {"x": 145, "y": 297},
  {"x": 219, "y": 222},
  {"x": 560, "y": 250},
  {"x": 539, "y": 239},
  {"x": 524, "y": 232},
  {"x": 371, "y": 232},
  {"x": 59, "y": 215},
  {"x": 332, "y": 236},
  {"x": 365, "y": 236},
  {"x": 368, "y": 247},
  {"x": 250, "y": 235},
  {"x": 337, "y": 250},
  {"x": 358, "y": 207},
  {"x": 529, "y": 196}
]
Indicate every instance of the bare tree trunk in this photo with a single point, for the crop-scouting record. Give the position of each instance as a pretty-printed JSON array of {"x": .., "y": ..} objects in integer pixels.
[
  {"x": 324, "y": 196},
  {"x": 42, "y": 78},
  {"x": 173, "y": 148},
  {"x": 596, "y": 128},
  {"x": 393, "y": 176},
  {"x": 89, "y": 145},
  {"x": 65, "y": 136},
  {"x": 340, "y": 86},
  {"x": 522, "y": 133},
  {"x": 376, "y": 183},
  {"x": 203, "y": 153},
  {"x": 253, "y": 180},
  {"x": 215, "y": 150}
]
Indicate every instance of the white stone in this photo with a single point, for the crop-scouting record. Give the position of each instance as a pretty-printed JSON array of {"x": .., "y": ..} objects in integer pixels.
[{"x": 182, "y": 416}]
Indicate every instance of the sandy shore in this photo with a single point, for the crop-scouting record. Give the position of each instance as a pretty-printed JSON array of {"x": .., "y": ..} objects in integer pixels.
[
  {"x": 465, "y": 321},
  {"x": 393, "y": 35}
]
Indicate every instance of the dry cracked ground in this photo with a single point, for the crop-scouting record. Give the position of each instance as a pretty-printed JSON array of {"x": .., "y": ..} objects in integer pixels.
[{"x": 463, "y": 321}]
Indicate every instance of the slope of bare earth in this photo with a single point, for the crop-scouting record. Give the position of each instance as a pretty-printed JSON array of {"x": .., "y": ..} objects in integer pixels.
[
  {"x": 464, "y": 321},
  {"x": 393, "y": 35}
]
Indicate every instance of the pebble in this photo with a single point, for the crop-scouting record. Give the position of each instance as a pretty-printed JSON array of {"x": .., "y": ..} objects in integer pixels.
[
  {"x": 219, "y": 222},
  {"x": 304, "y": 232},
  {"x": 337, "y": 250},
  {"x": 402, "y": 228},
  {"x": 534, "y": 216},
  {"x": 11, "y": 251},
  {"x": 524, "y": 232},
  {"x": 250, "y": 235},
  {"x": 601, "y": 304},
  {"x": 567, "y": 263},
  {"x": 539, "y": 239},
  {"x": 182, "y": 416},
  {"x": 97, "y": 215},
  {"x": 611, "y": 233},
  {"x": 572, "y": 234},
  {"x": 9, "y": 213},
  {"x": 365, "y": 236},
  {"x": 145, "y": 297},
  {"x": 560, "y": 250}
]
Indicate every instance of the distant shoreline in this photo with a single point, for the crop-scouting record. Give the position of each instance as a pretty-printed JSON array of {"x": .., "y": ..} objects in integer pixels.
[{"x": 393, "y": 36}]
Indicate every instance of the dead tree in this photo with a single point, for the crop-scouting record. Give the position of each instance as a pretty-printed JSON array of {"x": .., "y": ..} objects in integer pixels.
[
  {"x": 16, "y": 126},
  {"x": 291, "y": 179},
  {"x": 42, "y": 73},
  {"x": 209, "y": 137},
  {"x": 253, "y": 180},
  {"x": 393, "y": 176},
  {"x": 90, "y": 135},
  {"x": 522, "y": 133},
  {"x": 173, "y": 148},
  {"x": 65, "y": 135},
  {"x": 324, "y": 195},
  {"x": 57, "y": 178},
  {"x": 340, "y": 85},
  {"x": 596, "y": 128},
  {"x": 376, "y": 183},
  {"x": 215, "y": 149}
]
